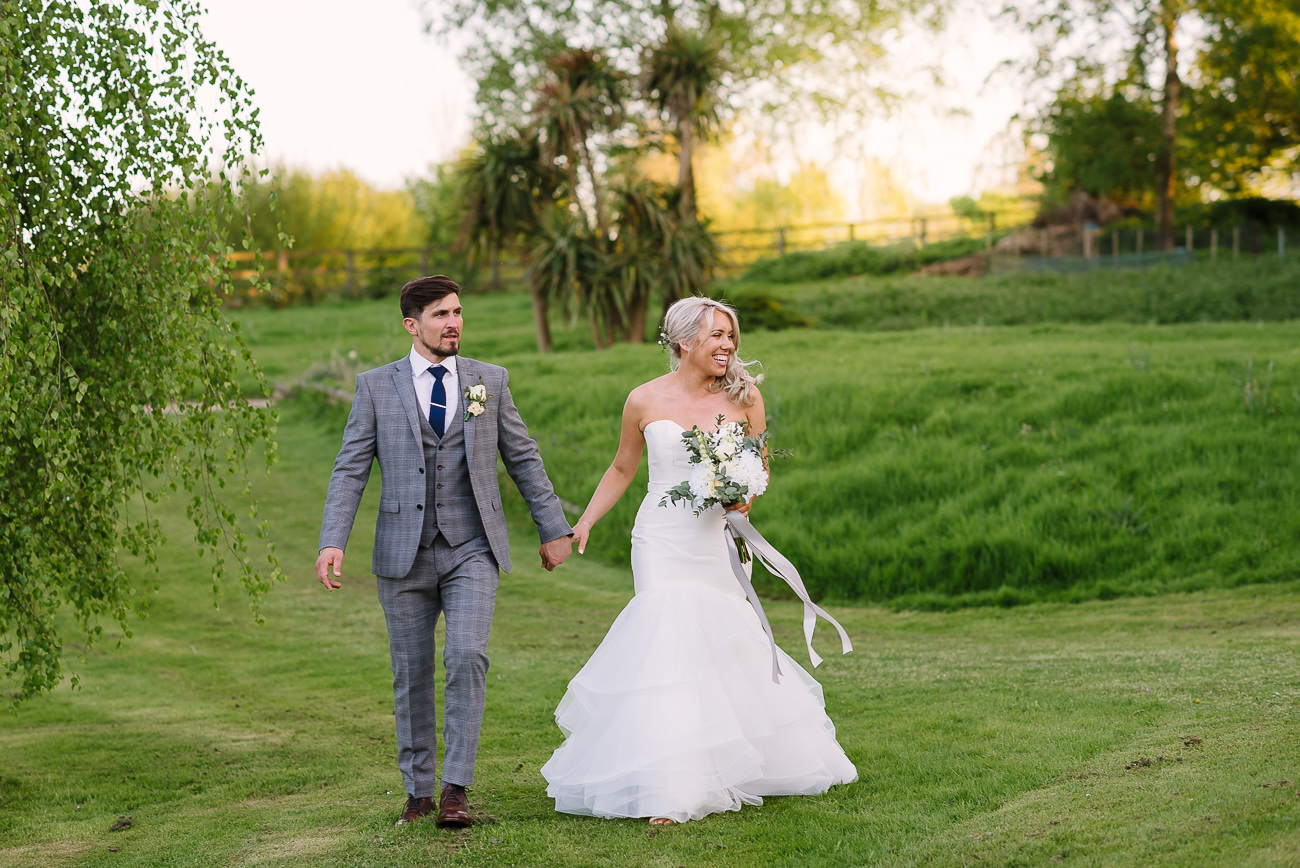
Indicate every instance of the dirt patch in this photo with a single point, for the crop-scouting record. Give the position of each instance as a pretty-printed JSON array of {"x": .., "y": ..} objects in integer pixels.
[
  {"x": 311, "y": 844},
  {"x": 56, "y": 853}
]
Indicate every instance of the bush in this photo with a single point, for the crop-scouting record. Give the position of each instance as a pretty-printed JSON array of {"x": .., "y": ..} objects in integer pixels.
[
  {"x": 858, "y": 258},
  {"x": 760, "y": 310}
]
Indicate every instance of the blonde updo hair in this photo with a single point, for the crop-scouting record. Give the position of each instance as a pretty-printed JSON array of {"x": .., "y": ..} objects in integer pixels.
[{"x": 684, "y": 322}]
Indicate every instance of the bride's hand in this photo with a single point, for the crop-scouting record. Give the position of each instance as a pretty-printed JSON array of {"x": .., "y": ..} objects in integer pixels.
[
  {"x": 742, "y": 508},
  {"x": 581, "y": 532}
]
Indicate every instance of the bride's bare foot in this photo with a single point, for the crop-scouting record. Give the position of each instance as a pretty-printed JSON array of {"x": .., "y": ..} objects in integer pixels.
[{"x": 662, "y": 821}]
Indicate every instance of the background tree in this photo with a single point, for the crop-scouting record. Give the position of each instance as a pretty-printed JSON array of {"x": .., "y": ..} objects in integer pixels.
[
  {"x": 805, "y": 56},
  {"x": 333, "y": 210},
  {"x": 119, "y": 372},
  {"x": 1122, "y": 101},
  {"x": 506, "y": 188},
  {"x": 680, "y": 77},
  {"x": 579, "y": 102}
]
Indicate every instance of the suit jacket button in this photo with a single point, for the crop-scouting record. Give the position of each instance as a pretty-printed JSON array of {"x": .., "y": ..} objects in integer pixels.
[
  {"x": 421, "y": 470},
  {"x": 440, "y": 506},
  {"x": 439, "y": 467},
  {"x": 440, "y": 485},
  {"x": 420, "y": 507}
]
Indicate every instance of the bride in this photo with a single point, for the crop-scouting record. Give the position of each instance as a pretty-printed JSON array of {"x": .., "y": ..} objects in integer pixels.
[{"x": 676, "y": 715}]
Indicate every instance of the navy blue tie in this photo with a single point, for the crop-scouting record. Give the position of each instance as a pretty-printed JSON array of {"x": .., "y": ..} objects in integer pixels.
[{"x": 438, "y": 402}]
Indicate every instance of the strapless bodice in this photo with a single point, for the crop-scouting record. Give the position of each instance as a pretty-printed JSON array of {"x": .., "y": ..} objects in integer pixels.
[{"x": 666, "y": 454}]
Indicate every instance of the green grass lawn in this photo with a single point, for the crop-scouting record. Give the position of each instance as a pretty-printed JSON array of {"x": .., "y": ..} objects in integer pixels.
[
  {"x": 989, "y": 735},
  {"x": 936, "y": 467},
  {"x": 1053, "y": 466}
]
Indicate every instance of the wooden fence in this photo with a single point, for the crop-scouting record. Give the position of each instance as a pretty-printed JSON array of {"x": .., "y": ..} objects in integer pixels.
[
  {"x": 1074, "y": 248},
  {"x": 307, "y": 276},
  {"x": 743, "y": 247}
]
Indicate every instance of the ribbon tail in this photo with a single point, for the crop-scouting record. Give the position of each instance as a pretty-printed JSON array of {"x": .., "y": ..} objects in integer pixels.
[
  {"x": 780, "y": 566},
  {"x": 741, "y": 576}
]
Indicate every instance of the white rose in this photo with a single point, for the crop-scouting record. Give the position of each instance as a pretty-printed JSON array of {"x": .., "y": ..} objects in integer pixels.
[
  {"x": 748, "y": 470},
  {"x": 703, "y": 482},
  {"x": 475, "y": 408},
  {"x": 478, "y": 393}
]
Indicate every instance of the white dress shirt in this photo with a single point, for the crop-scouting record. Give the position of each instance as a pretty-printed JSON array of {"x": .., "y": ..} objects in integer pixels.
[{"x": 424, "y": 385}]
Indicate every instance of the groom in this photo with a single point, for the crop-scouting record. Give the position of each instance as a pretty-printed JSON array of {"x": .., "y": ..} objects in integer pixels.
[{"x": 437, "y": 422}]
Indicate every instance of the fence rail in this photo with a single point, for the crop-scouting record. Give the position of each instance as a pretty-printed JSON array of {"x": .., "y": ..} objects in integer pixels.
[{"x": 307, "y": 276}]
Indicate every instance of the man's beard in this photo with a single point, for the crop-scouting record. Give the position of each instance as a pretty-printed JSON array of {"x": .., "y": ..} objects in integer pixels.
[{"x": 444, "y": 350}]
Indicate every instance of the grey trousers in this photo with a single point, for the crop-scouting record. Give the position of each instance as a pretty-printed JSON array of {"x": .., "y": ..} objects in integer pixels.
[{"x": 460, "y": 582}]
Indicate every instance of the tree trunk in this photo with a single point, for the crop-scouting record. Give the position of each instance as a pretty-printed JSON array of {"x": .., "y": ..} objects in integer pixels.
[
  {"x": 541, "y": 319},
  {"x": 1166, "y": 165},
  {"x": 636, "y": 316},
  {"x": 597, "y": 194},
  {"x": 685, "y": 169}
]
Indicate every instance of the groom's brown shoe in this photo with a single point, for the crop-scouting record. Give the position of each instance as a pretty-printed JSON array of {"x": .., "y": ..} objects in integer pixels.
[
  {"x": 415, "y": 809},
  {"x": 453, "y": 807}
]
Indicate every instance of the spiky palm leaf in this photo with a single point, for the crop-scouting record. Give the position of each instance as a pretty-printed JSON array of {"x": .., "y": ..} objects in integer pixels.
[{"x": 680, "y": 77}]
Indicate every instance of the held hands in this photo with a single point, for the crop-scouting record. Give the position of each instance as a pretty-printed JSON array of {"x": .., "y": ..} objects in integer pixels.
[
  {"x": 581, "y": 533},
  {"x": 554, "y": 552},
  {"x": 329, "y": 556}
]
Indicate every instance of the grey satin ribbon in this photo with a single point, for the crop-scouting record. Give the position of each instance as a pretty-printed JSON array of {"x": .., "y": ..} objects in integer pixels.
[{"x": 738, "y": 525}]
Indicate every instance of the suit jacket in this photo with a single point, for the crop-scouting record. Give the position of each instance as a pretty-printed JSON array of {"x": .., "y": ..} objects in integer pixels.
[{"x": 385, "y": 424}]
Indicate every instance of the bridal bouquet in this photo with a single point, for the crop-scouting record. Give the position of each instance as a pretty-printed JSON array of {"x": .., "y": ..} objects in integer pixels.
[{"x": 729, "y": 467}]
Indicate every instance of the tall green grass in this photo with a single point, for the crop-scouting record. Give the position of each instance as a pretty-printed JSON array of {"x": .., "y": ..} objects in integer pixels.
[
  {"x": 950, "y": 467},
  {"x": 1266, "y": 288}
]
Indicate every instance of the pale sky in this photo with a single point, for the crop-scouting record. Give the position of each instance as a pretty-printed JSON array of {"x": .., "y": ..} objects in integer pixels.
[{"x": 357, "y": 84}]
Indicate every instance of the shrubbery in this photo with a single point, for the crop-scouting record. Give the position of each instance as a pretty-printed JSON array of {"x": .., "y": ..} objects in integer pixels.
[{"x": 857, "y": 258}]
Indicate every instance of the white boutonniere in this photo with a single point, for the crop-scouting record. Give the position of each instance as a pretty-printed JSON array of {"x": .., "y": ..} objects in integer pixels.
[{"x": 476, "y": 398}]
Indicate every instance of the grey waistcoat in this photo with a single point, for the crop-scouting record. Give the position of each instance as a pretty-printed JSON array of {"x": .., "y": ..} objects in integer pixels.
[{"x": 449, "y": 506}]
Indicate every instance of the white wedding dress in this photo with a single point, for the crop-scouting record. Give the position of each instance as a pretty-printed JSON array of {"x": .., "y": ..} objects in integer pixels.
[{"x": 676, "y": 714}]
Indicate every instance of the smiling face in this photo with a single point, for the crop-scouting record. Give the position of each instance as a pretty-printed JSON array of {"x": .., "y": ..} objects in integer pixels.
[
  {"x": 715, "y": 345},
  {"x": 437, "y": 330}
]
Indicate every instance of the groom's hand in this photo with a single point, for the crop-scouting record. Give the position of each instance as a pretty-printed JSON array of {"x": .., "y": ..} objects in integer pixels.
[
  {"x": 555, "y": 551},
  {"x": 329, "y": 557}
]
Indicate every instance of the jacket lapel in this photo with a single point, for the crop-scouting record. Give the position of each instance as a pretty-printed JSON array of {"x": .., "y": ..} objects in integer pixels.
[
  {"x": 405, "y": 387},
  {"x": 468, "y": 373}
]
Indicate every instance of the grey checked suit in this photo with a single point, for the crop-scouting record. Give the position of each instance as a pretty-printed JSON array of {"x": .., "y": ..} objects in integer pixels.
[{"x": 465, "y": 541}]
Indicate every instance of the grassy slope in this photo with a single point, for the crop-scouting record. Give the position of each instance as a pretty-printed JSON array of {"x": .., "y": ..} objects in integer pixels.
[
  {"x": 979, "y": 735},
  {"x": 1249, "y": 290},
  {"x": 943, "y": 467}
]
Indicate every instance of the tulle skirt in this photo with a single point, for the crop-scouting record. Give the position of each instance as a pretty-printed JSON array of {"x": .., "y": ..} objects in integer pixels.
[{"x": 676, "y": 715}]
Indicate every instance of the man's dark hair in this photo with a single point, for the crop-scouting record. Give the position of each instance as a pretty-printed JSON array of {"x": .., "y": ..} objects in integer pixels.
[{"x": 424, "y": 291}]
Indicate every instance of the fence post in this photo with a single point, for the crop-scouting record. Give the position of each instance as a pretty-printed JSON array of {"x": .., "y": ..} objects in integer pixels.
[
  {"x": 1214, "y": 244},
  {"x": 780, "y": 241},
  {"x": 282, "y": 261},
  {"x": 1087, "y": 242},
  {"x": 851, "y": 238},
  {"x": 352, "y": 272},
  {"x": 1114, "y": 246},
  {"x": 1281, "y": 242},
  {"x": 1139, "y": 241},
  {"x": 923, "y": 225},
  {"x": 1189, "y": 238},
  {"x": 1236, "y": 241}
]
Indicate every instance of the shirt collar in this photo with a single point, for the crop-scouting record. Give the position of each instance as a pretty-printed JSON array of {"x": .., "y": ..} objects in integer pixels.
[{"x": 420, "y": 365}]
